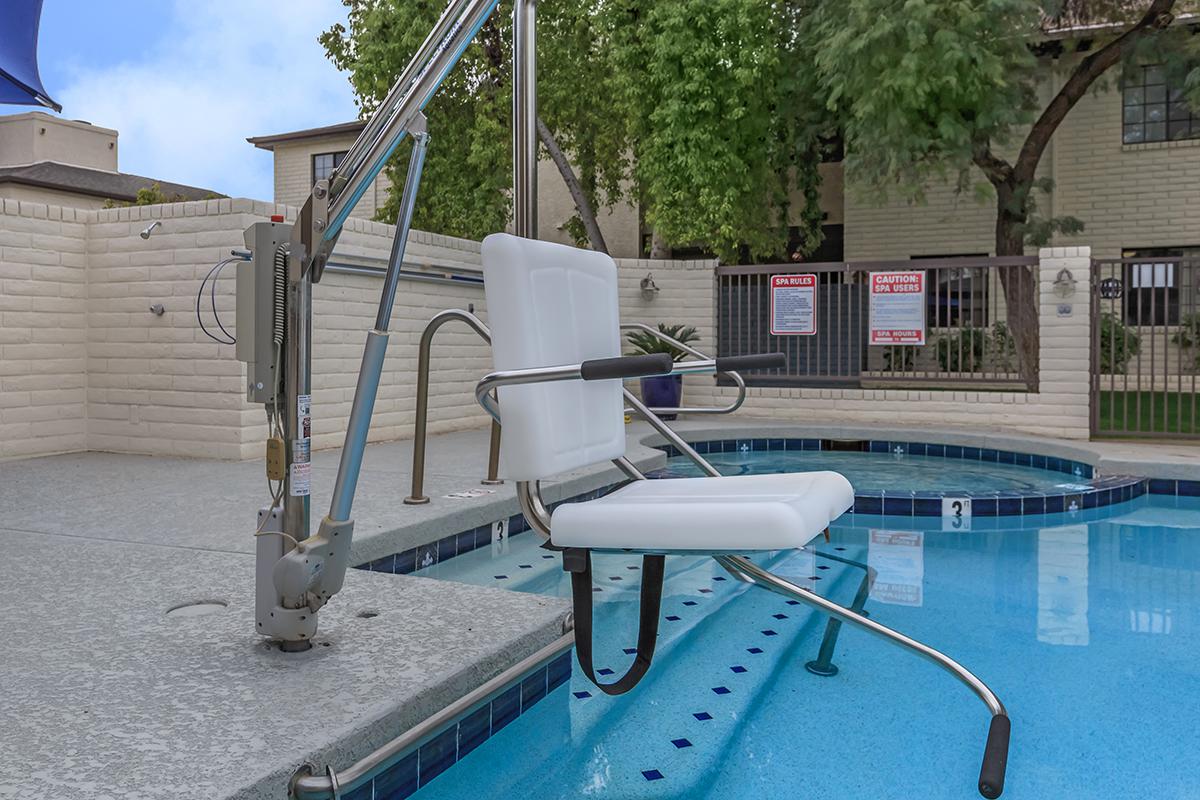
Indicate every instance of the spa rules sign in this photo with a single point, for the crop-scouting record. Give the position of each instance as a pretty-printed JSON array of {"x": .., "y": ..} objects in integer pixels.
[
  {"x": 793, "y": 305},
  {"x": 898, "y": 308}
]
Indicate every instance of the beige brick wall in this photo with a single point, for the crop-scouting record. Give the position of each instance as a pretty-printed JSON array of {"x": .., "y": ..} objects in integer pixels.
[
  {"x": 1059, "y": 409},
  {"x": 84, "y": 364},
  {"x": 43, "y": 299}
]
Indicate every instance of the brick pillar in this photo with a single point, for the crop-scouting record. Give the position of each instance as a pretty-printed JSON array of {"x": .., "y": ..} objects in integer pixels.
[{"x": 1065, "y": 352}]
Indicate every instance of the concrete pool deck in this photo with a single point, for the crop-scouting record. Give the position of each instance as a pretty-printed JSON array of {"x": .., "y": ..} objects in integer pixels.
[{"x": 107, "y": 697}]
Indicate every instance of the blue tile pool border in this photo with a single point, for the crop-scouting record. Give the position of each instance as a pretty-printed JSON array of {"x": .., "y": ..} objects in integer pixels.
[
  {"x": 457, "y": 544},
  {"x": 425, "y": 760},
  {"x": 1101, "y": 491},
  {"x": 1093, "y": 491}
]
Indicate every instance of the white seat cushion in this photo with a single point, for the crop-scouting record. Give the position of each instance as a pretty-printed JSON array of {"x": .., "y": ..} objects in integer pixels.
[{"x": 735, "y": 514}]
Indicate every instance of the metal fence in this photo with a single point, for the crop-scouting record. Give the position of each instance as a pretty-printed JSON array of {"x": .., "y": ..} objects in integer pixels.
[
  {"x": 968, "y": 339},
  {"x": 1145, "y": 347}
]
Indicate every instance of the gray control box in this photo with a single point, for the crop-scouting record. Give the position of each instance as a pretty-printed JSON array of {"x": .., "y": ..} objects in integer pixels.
[{"x": 256, "y": 308}]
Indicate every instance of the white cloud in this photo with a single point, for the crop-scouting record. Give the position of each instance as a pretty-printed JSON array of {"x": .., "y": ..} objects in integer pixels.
[{"x": 221, "y": 71}]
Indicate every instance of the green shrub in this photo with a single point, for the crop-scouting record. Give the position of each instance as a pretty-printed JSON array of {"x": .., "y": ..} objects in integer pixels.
[
  {"x": 977, "y": 349},
  {"x": 961, "y": 351},
  {"x": 1188, "y": 337},
  {"x": 900, "y": 358},
  {"x": 648, "y": 344},
  {"x": 1118, "y": 344}
]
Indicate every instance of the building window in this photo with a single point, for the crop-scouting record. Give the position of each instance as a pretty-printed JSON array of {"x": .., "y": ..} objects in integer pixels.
[
  {"x": 1154, "y": 109},
  {"x": 956, "y": 297},
  {"x": 1153, "y": 286},
  {"x": 323, "y": 165}
]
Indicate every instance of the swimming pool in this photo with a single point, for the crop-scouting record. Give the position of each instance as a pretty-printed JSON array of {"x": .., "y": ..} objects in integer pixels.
[{"x": 1084, "y": 623}]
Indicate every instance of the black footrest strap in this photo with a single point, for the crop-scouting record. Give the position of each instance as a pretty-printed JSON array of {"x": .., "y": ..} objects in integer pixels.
[{"x": 579, "y": 563}]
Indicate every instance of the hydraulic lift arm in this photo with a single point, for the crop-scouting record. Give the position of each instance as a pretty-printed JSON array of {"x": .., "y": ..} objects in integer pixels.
[{"x": 298, "y": 573}]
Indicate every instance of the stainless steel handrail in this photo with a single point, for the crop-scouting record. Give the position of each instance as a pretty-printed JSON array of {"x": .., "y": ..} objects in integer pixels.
[
  {"x": 421, "y": 424},
  {"x": 306, "y": 785},
  {"x": 735, "y": 377}
]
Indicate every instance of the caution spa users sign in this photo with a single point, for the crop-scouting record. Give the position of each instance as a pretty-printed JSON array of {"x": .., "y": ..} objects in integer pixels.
[{"x": 898, "y": 308}]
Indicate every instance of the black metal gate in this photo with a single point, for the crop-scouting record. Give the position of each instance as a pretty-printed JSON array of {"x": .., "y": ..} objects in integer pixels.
[{"x": 1145, "y": 347}]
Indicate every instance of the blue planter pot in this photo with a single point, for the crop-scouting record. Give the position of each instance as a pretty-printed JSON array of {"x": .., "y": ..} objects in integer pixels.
[{"x": 663, "y": 391}]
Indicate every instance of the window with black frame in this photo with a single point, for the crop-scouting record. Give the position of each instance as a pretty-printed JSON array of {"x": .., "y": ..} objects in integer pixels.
[
  {"x": 1156, "y": 281},
  {"x": 1153, "y": 108},
  {"x": 323, "y": 164},
  {"x": 956, "y": 296}
]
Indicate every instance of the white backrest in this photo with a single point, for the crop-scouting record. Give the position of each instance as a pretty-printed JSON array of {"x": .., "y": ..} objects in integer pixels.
[{"x": 549, "y": 305}]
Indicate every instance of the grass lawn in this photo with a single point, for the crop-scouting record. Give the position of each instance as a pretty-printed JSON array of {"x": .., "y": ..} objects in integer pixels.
[{"x": 1149, "y": 412}]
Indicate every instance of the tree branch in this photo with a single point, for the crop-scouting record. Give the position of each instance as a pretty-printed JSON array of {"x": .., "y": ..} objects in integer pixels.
[
  {"x": 1157, "y": 16},
  {"x": 996, "y": 169},
  {"x": 582, "y": 205}
]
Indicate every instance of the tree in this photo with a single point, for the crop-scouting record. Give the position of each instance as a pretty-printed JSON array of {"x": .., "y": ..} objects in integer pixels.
[
  {"x": 709, "y": 158},
  {"x": 722, "y": 120},
  {"x": 937, "y": 88}
]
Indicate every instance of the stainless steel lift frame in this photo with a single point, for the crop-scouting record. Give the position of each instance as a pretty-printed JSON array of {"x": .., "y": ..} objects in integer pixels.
[{"x": 314, "y": 568}]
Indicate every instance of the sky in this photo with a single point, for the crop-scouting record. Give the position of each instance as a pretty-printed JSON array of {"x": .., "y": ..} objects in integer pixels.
[{"x": 186, "y": 81}]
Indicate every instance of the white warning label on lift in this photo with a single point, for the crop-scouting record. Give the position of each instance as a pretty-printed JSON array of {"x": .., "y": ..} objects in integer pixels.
[
  {"x": 300, "y": 480},
  {"x": 301, "y": 451},
  {"x": 304, "y": 416}
]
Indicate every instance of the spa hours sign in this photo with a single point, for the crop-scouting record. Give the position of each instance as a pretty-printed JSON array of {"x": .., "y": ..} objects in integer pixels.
[
  {"x": 898, "y": 308},
  {"x": 793, "y": 305}
]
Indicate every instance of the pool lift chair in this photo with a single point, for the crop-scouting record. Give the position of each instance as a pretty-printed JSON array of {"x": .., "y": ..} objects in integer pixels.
[{"x": 555, "y": 329}]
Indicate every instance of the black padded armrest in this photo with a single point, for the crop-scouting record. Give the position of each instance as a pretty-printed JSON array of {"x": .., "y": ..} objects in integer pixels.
[
  {"x": 603, "y": 369},
  {"x": 760, "y": 361}
]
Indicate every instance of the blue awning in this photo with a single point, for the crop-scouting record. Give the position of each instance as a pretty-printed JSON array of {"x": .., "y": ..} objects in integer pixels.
[{"x": 20, "y": 83}]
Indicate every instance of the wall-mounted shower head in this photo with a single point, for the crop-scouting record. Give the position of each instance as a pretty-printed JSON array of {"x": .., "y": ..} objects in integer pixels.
[{"x": 150, "y": 228}]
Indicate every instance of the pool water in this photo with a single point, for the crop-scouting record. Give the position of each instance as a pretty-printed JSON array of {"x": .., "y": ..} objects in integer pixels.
[
  {"x": 1085, "y": 624},
  {"x": 871, "y": 473}
]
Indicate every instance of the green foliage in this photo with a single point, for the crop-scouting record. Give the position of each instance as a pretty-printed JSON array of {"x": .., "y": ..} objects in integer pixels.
[
  {"x": 1187, "y": 336},
  {"x": 151, "y": 195},
  {"x": 900, "y": 358},
  {"x": 467, "y": 171},
  {"x": 1003, "y": 350},
  {"x": 719, "y": 100},
  {"x": 972, "y": 349},
  {"x": 924, "y": 88},
  {"x": 962, "y": 351},
  {"x": 1038, "y": 231},
  {"x": 917, "y": 89},
  {"x": 648, "y": 344},
  {"x": 1118, "y": 344},
  {"x": 700, "y": 111}
]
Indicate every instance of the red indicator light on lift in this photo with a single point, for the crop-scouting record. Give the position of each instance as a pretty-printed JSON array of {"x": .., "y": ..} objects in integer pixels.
[{"x": 277, "y": 218}]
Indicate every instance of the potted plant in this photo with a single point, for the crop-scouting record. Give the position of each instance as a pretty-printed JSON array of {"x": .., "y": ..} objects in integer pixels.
[{"x": 662, "y": 391}]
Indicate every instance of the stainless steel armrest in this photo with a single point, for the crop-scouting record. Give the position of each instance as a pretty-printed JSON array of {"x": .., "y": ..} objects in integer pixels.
[{"x": 597, "y": 369}]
